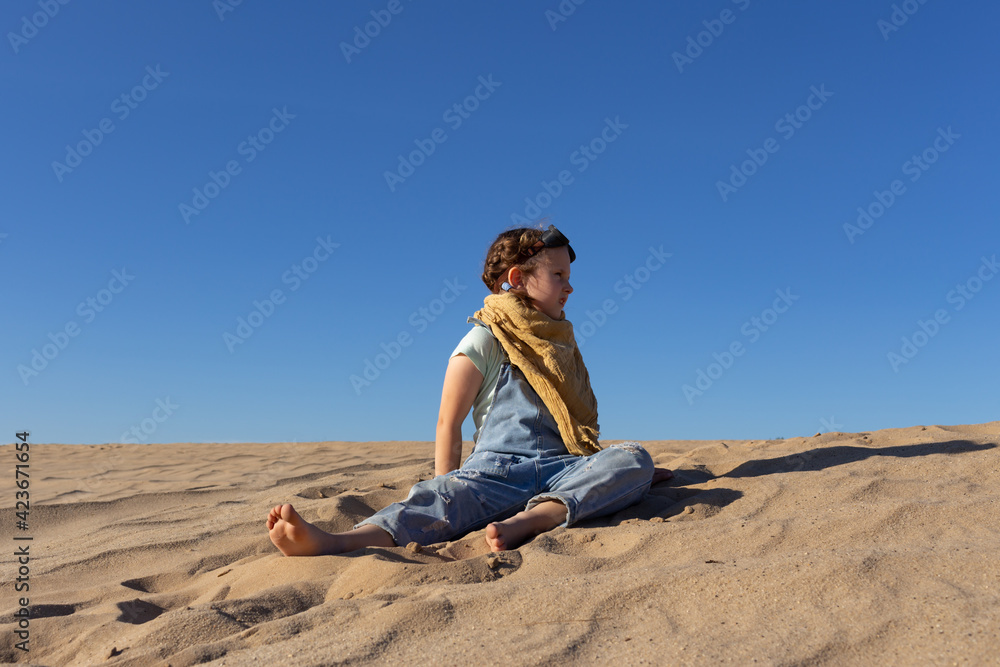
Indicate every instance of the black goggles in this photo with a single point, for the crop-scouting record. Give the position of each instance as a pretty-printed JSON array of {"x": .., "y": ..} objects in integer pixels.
[{"x": 552, "y": 238}]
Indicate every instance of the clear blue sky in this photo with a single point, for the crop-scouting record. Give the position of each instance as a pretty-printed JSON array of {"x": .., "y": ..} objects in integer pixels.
[{"x": 645, "y": 127}]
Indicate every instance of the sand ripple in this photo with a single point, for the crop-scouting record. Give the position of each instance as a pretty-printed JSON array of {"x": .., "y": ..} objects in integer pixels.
[{"x": 845, "y": 548}]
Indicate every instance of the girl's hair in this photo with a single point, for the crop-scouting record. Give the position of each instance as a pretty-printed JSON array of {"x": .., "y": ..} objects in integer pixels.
[{"x": 511, "y": 248}]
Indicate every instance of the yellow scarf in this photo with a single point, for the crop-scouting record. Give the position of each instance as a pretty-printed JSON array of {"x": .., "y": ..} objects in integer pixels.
[{"x": 546, "y": 352}]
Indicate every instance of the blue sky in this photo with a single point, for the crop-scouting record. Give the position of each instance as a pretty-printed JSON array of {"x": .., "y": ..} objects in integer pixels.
[{"x": 167, "y": 165}]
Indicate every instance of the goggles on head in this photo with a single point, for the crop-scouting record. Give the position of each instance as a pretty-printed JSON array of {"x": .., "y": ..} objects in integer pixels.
[{"x": 552, "y": 238}]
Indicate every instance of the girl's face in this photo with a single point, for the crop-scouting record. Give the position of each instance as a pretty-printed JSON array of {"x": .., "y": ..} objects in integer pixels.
[{"x": 549, "y": 284}]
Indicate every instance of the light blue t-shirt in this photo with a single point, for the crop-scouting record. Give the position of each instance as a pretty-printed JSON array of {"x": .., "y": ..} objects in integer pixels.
[{"x": 486, "y": 353}]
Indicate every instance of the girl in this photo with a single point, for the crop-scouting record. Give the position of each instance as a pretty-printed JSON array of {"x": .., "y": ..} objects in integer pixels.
[{"x": 536, "y": 462}]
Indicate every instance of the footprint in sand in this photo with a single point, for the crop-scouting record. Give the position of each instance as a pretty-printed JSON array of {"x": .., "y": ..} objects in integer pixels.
[
  {"x": 50, "y": 610},
  {"x": 159, "y": 583},
  {"x": 137, "y": 612}
]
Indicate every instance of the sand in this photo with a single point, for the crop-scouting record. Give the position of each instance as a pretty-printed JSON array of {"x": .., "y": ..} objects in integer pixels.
[{"x": 841, "y": 548}]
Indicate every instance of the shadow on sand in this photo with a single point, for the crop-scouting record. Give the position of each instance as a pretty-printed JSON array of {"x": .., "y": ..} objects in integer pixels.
[
  {"x": 669, "y": 498},
  {"x": 828, "y": 457}
]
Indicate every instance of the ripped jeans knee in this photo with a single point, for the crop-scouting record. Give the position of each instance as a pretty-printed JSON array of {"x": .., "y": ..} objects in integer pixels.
[
  {"x": 630, "y": 446},
  {"x": 624, "y": 455}
]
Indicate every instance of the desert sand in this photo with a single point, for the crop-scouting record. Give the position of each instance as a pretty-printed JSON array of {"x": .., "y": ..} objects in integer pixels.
[{"x": 841, "y": 548}]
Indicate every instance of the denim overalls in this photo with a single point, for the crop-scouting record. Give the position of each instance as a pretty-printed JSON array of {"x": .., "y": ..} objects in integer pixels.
[{"x": 518, "y": 462}]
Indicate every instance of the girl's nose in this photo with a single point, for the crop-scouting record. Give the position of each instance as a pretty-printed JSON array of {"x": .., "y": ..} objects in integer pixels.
[{"x": 569, "y": 288}]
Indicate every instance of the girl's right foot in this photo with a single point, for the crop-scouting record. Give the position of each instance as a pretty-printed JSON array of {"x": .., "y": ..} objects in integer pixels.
[{"x": 294, "y": 536}]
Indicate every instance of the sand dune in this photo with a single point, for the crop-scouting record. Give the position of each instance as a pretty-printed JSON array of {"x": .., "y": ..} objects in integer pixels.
[{"x": 843, "y": 548}]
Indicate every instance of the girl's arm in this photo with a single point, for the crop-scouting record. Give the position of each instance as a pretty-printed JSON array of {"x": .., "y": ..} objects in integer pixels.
[{"x": 462, "y": 381}]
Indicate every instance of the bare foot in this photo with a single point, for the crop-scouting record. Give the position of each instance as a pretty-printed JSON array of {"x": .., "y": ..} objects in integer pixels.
[
  {"x": 294, "y": 536},
  {"x": 496, "y": 540},
  {"x": 512, "y": 533}
]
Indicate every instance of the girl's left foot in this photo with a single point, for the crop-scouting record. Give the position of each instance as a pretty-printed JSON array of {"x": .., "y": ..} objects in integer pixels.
[{"x": 513, "y": 532}]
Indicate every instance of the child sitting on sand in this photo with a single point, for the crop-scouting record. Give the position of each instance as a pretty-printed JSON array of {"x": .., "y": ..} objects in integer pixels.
[{"x": 536, "y": 463}]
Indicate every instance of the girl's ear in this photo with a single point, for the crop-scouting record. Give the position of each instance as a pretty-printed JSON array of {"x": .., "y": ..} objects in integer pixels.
[{"x": 515, "y": 277}]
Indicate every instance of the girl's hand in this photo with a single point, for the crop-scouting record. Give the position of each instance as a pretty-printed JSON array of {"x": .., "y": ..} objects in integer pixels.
[{"x": 661, "y": 475}]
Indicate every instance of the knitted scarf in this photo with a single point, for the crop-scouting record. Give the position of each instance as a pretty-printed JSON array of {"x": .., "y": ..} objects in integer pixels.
[{"x": 546, "y": 352}]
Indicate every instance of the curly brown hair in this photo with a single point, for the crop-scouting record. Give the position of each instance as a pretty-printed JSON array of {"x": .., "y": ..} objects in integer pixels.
[{"x": 511, "y": 248}]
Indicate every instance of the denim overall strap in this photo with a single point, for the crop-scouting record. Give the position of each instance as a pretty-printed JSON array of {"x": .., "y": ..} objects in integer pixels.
[{"x": 518, "y": 423}]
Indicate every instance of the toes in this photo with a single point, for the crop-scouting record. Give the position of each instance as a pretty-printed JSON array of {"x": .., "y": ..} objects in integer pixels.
[
  {"x": 284, "y": 512},
  {"x": 494, "y": 538},
  {"x": 288, "y": 513}
]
